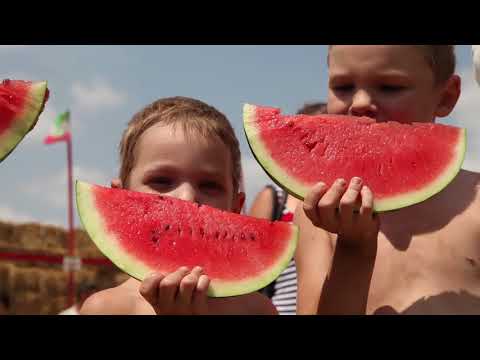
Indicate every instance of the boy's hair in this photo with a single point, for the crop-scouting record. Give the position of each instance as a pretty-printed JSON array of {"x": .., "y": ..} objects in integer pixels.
[
  {"x": 441, "y": 59},
  {"x": 195, "y": 117},
  {"x": 311, "y": 108}
]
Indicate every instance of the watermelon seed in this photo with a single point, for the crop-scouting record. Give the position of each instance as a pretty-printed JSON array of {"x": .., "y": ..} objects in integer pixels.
[
  {"x": 167, "y": 227},
  {"x": 311, "y": 145},
  {"x": 252, "y": 237},
  {"x": 217, "y": 234},
  {"x": 202, "y": 232},
  {"x": 155, "y": 236},
  {"x": 242, "y": 236}
]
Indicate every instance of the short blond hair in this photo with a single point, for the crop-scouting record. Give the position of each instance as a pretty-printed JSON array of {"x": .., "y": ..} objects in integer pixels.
[
  {"x": 441, "y": 59},
  {"x": 195, "y": 117}
]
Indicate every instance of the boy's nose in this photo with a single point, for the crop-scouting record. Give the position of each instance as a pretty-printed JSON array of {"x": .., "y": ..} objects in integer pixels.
[{"x": 363, "y": 105}]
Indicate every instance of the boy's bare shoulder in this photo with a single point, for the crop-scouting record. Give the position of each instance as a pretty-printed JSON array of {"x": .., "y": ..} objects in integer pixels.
[{"x": 121, "y": 300}]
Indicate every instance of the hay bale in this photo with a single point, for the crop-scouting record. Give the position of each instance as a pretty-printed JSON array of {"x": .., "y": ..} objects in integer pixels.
[{"x": 40, "y": 287}]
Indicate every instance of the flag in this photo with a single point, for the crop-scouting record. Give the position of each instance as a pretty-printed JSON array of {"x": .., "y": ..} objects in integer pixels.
[{"x": 60, "y": 130}]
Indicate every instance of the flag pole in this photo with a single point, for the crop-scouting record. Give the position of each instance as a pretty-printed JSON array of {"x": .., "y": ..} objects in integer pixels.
[{"x": 71, "y": 233}]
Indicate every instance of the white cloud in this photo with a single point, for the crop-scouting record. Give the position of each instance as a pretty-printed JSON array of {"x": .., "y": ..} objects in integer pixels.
[
  {"x": 466, "y": 116},
  {"x": 97, "y": 94},
  {"x": 54, "y": 187},
  {"x": 9, "y": 214}
]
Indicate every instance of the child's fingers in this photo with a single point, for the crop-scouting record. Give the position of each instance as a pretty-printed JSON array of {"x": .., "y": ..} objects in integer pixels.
[
  {"x": 149, "y": 288},
  {"x": 187, "y": 287},
  {"x": 311, "y": 201},
  {"x": 168, "y": 287},
  {"x": 349, "y": 201},
  {"x": 328, "y": 205},
  {"x": 366, "y": 210},
  {"x": 199, "y": 300}
]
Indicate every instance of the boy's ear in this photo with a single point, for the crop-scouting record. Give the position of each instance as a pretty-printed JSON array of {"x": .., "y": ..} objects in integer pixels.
[
  {"x": 238, "y": 203},
  {"x": 116, "y": 183},
  {"x": 449, "y": 96}
]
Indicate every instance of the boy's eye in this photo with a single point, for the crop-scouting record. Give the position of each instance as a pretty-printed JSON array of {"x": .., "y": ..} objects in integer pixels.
[
  {"x": 162, "y": 181},
  {"x": 343, "y": 88},
  {"x": 211, "y": 185},
  {"x": 391, "y": 88}
]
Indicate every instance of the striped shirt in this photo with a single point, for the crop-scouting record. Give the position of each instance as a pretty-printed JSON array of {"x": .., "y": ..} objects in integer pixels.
[
  {"x": 285, "y": 288},
  {"x": 285, "y": 291}
]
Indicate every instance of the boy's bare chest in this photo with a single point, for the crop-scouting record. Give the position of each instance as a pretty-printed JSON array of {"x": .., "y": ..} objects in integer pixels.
[{"x": 432, "y": 273}]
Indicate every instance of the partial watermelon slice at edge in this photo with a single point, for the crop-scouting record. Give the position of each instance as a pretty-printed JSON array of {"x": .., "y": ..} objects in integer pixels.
[
  {"x": 299, "y": 189},
  {"x": 108, "y": 243},
  {"x": 23, "y": 123}
]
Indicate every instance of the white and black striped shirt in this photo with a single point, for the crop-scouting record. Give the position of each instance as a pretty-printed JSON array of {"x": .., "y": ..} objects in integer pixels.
[
  {"x": 285, "y": 291},
  {"x": 285, "y": 287}
]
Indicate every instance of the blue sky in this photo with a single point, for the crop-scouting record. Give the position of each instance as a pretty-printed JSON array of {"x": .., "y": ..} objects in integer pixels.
[{"x": 104, "y": 85}]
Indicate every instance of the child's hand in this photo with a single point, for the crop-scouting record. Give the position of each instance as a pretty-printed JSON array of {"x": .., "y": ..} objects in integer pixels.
[
  {"x": 178, "y": 293},
  {"x": 346, "y": 211}
]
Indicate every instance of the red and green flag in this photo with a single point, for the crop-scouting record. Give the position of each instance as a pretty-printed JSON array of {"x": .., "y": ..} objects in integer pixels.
[{"x": 60, "y": 130}]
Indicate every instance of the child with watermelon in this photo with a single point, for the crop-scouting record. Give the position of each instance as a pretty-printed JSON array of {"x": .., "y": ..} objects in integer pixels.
[
  {"x": 186, "y": 149},
  {"x": 422, "y": 259}
]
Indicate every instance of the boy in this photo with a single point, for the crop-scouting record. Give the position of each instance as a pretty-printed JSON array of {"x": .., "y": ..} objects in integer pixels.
[
  {"x": 183, "y": 148},
  {"x": 423, "y": 259}
]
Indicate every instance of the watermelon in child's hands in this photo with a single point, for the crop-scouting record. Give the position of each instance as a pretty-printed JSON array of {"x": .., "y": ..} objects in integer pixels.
[
  {"x": 144, "y": 233},
  {"x": 402, "y": 164}
]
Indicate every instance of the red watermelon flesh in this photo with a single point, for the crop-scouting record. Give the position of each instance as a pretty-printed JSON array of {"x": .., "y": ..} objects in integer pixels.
[
  {"x": 21, "y": 103},
  {"x": 403, "y": 164},
  {"x": 142, "y": 233}
]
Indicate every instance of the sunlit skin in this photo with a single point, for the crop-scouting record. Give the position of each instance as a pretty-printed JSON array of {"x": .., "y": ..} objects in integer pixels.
[
  {"x": 421, "y": 259},
  {"x": 192, "y": 168}
]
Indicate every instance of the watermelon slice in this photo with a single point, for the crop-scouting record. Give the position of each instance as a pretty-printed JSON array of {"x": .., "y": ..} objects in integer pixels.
[
  {"x": 21, "y": 103},
  {"x": 142, "y": 233},
  {"x": 403, "y": 164}
]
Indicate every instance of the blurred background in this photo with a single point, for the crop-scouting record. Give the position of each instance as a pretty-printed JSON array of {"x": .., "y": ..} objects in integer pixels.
[{"x": 103, "y": 86}]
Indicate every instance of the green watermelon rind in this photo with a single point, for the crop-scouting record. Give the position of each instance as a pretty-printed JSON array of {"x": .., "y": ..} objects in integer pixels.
[
  {"x": 276, "y": 173},
  {"x": 299, "y": 189},
  {"x": 24, "y": 122},
  {"x": 94, "y": 225}
]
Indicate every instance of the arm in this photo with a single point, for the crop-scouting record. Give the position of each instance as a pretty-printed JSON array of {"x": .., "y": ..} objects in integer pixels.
[
  {"x": 344, "y": 288},
  {"x": 116, "y": 301},
  {"x": 262, "y": 205},
  {"x": 312, "y": 258}
]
